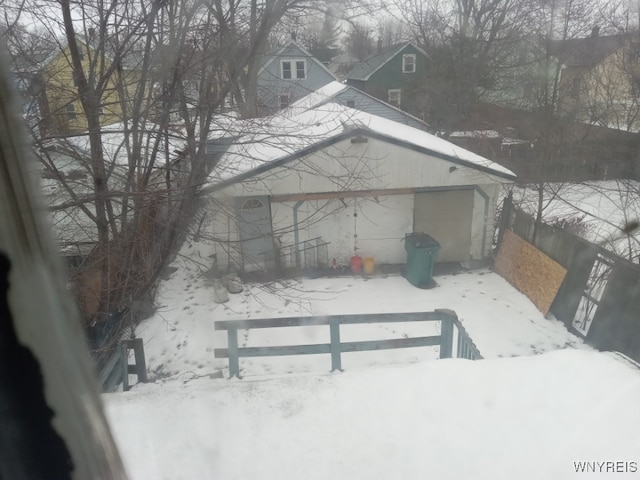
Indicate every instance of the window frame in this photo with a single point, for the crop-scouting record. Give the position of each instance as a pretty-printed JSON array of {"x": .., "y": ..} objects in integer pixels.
[
  {"x": 293, "y": 68},
  {"x": 394, "y": 91},
  {"x": 252, "y": 204},
  {"x": 70, "y": 110},
  {"x": 405, "y": 63}
]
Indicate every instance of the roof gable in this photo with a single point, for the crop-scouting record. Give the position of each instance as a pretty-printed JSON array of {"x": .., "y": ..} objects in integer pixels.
[
  {"x": 370, "y": 65},
  {"x": 587, "y": 52},
  {"x": 333, "y": 90},
  {"x": 270, "y": 57}
]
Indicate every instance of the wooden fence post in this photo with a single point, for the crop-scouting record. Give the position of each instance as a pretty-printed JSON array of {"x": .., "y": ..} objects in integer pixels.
[
  {"x": 446, "y": 333},
  {"x": 334, "y": 329},
  {"x": 234, "y": 360},
  {"x": 505, "y": 217},
  {"x": 124, "y": 366},
  {"x": 141, "y": 364}
]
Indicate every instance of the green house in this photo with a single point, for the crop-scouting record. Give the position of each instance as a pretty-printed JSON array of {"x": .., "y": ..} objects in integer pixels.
[{"x": 391, "y": 74}]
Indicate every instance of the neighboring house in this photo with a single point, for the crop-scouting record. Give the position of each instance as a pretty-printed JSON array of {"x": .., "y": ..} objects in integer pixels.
[
  {"x": 26, "y": 79},
  {"x": 391, "y": 74},
  {"x": 320, "y": 186},
  {"x": 336, "y": 92},
  {"x": 66, "y": 165},
  {"x": 600, "y": 79},
  {"x": 288, "y": 74},
  {"x": 59, "y": 103},
  {"x": 522, "y": 79}
]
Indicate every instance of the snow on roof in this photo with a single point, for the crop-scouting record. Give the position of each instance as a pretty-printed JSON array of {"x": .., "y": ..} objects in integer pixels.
[
  {"x": 321, "y": 95},
  {"x": 263, "y": 143},
  {"x": 475, "y": 134},
  {"x": 114, "y": 143}
]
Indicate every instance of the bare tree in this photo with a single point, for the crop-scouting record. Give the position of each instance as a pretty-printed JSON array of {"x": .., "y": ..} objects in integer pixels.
[{"x": 165, "y": 71}]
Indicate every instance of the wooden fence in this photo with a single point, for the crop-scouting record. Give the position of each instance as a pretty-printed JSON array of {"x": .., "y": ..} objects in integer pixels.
[
  {"x": 116, "y": 368},
  {"x": 599, "y": 298},
  {"x": 465, "y": 348}
]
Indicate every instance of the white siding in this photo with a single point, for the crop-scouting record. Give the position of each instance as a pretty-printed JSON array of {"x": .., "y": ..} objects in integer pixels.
[
  {"x": 271, "y": 85},
  {"x": 376, "y": 107},
  {"x": 360, "y": 166},
  {"x": 380, "y": 225}
]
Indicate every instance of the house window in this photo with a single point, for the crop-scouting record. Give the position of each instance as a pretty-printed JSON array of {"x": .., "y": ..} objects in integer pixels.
[
  {"x": 301, "y": 70},
  {"x": 293, "y": 69},
  {"x": 286, "y": 70},
  {"x": 576, "y": 85},
  {"x": 284, "y": 101},
  {"x": 409, "y": 63},
  {"x": 71, "y": 111},
  {"x": 351, "y": 103},
  {"x": 252, "y": 204},
  {"x": 100, "y": 110},
  {"x": 395, "y": 97}
]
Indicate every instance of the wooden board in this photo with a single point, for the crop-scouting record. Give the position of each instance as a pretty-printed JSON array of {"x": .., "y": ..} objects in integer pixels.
[{"x": 529, "y": 270}]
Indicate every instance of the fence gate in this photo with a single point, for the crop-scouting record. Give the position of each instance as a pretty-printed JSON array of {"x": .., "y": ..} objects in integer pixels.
[{"x": 592, "y": 294}]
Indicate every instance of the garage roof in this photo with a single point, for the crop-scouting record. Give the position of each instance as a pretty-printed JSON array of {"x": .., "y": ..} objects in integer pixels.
[{"x": 262, "y": 144}]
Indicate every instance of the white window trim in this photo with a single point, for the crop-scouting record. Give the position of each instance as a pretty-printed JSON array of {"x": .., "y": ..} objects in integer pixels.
[
  {"x": 294, "y": 69},
  {"x": 405, "y": 63},
  {"x": 394, "y": 91}
]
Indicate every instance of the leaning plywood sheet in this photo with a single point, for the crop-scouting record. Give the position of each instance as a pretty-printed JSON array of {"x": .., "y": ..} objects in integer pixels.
[{"x": 529, "y": 270}]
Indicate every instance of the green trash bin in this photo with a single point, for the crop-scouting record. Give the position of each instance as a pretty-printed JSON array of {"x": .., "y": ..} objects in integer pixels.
[{"x": 422, "y": 251}]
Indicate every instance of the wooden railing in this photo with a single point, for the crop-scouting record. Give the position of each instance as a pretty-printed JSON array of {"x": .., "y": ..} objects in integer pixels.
[
  {"x": 447, "y": 318},
  {"x": 465, "y": 347},
  {"x": 116, "y": 369}
]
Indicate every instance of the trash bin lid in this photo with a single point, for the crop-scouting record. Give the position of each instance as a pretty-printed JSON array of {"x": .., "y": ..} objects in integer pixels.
[{"x": 421, "y": 240}]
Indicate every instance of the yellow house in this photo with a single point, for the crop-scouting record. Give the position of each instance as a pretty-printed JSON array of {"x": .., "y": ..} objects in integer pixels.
[
  {"x": 59, "y": 102},
  {"x": 600, "y": 80}
]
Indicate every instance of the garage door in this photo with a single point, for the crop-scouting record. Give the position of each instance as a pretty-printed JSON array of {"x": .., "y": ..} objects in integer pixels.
[{"x": 446, "y": 216}]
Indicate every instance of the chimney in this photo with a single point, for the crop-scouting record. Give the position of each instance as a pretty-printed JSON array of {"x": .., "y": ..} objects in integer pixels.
[
  {"x": 293, "y": 36},
  {"x": 379, "y": 45},
  {"x": 595, "y": 31}
]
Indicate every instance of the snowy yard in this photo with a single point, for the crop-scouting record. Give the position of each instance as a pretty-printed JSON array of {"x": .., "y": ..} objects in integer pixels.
[
  {"x": 390, "y": 414},
  {"x": 524, "y": 418},
  {"x": 598, "y": 211},
  {"x": 179, "y": 340}
]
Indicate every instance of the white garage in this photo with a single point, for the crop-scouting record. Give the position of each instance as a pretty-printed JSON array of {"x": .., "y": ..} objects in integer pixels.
[{"x": 339, "y": 182}]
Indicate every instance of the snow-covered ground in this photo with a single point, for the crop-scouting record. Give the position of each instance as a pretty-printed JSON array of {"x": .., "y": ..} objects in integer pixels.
[
  {"x": 600, "y": 211},
  {"x": 526, "y": 418},
  {"x": 179, "y": 339},
  {"x": 390, "y": 414}
]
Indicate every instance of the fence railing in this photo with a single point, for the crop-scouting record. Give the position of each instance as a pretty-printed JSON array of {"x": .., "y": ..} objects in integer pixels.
[
  {"x": 449, "y": 326},
  {"x": 599, "y": 298},
  {"x": 116, "y": 368}
]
